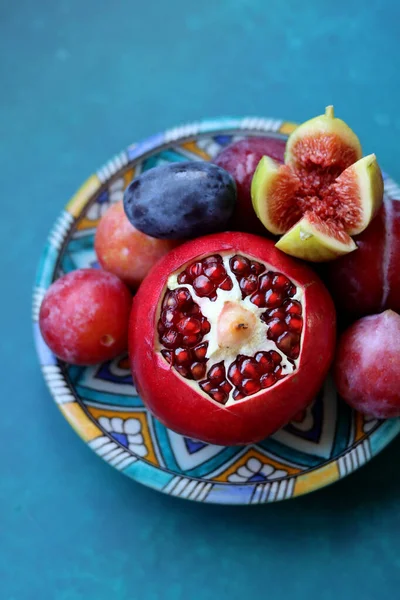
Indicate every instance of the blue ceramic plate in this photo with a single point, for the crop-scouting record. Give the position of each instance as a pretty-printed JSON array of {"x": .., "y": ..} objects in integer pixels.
[{"x": 325, "y": 443}]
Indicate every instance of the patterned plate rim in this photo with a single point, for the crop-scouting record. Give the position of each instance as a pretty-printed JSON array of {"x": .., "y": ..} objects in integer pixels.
[{"x": 60, "y": 387}]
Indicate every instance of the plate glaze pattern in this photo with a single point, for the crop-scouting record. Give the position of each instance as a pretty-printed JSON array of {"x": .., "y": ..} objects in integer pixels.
[{"x": 321, "y": 445}]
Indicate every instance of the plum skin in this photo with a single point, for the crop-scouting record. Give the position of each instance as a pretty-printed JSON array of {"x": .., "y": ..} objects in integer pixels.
[
  {"x": 181, "y": 200},
  {"x": 84, "y": 317},
  {"x": 367, "y": 281},
  {"x": 367, "y": 365},
  {"x": 125, "y": 251}
]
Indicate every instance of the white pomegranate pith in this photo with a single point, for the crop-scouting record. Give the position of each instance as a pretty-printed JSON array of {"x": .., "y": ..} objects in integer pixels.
[{"x": 230, "y": 326}]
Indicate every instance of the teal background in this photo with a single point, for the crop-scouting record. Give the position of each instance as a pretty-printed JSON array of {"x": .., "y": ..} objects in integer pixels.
[{"x": 79, "y": 80}]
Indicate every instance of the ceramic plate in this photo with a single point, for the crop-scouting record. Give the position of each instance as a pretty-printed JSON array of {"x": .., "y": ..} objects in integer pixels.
[{"x": 325, "y": 443}]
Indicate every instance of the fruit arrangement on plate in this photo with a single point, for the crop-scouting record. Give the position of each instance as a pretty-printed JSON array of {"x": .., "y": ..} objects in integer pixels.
[{"x": 237, "y": 284}]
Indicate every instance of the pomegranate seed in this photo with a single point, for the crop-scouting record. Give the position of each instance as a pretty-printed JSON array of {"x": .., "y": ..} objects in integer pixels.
[
  {"x": 256, "y": 268},
  {"x": 226, "y": 386},
  {"x": 184, "y": 278},
  {"x": 249, "y": 284},
  {"x": 191, "y": 340},
  {"x": 206, "y": 386},
  {"x": 160, "y": 327},
  {"x": 205, "y": 326},
  {"x": 203, "y": 286},
  {"x": 273, "y": 299},
  {"x": 171, "y": 338},
  {"x": 234, "y": 374},
  {"x": 249, "y": 386},
  {"x": 168, "y": 355},
  {"x": 195, "y": 270},
  {"x": 183, "y": 356},
  {"x": 267, "y": 380},
  {"x": 278, "y": 372},
  {"x": 281, "y": 282},
  {"x": 292, "y": 290},
  {"x": 219, "y": 396},
  {"x": 216, "y": 272},
  {"x": 266, "y": 282},
  {"x": 189, "y": 326},
  {"x": 237, "y": 395},
  {"x": 201, "y": 351},
  {"x": 265, "y": 361},
  {"x": 194, "y": 310},
  {"x": 168, "y": 317},
  {"x": 212, "y": 260},
  {"x": 278, "y": 313},
  {"x": 217, "y": 373},
  {"x": 295, "y": 351},
  {"x": 295, "y": 323},
  {"x": 226, "y": 284},
  {"x": 258, "y": 299},
  {"x": 275, "y": 329},
  {"x": 276, "y": 357},
  {"x": 292, "y": 307},
  {"x": 198, "y": 370},
  {"x": 286, "y": 341},
  {"x": 169, "y": 300},
  {"x": 183, "y": 371},
  {"x": 250, "y": 369},
  {"x": 183, "y": 297},
  {"x": 240, "y": 265}
]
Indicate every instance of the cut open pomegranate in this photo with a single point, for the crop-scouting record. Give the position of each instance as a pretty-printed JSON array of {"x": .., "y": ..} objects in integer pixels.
[{"x": 229, "y": 338}]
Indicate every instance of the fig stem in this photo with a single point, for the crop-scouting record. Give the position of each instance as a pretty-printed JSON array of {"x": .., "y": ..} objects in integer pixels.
[{"x": 329, "y": 112}]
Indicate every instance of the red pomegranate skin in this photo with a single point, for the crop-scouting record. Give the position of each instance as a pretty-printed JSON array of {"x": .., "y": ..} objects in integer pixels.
[
  {"x": 367, "y": 365},
  {"x": 367, "y": 280},
  {"x": 240, "y": 160},
  {"x": 178, "y": 405},
  {"x": 84, "y": 317}
]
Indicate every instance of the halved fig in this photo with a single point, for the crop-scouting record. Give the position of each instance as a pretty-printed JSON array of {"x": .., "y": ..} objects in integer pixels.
[
  {"x": 229, "y": 338},
  {"x": 323, "y": 194}
]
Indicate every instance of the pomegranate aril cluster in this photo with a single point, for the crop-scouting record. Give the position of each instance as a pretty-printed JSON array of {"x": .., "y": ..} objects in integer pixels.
[
  {"x": 283, "y": 315},
  {"x": 216, "y": 384},
  {"x": 249, "y": 374},
  {"x": 206, "y": 276},
  {"x": 181, "y": 323},
  {"x": 285, "y": 325},
  {"x": 246, "y": 272}
]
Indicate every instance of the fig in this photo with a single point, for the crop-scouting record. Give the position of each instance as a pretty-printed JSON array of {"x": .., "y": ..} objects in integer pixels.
[
  {"x": 367, "y": 365},
  {"x": 240, "y": 159},
  {"x": 323, "y": 194},
  {"x": 229, "y": 338},
  {"x": 368, "y": 281}
]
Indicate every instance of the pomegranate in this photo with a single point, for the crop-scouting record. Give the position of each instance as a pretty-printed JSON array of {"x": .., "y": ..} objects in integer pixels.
[
  {"x": 84, "y": 316},
  {"x": 323, "y": 194},
  {"x": 368, "y": 281},
  {"x": 367, "y": 365},
  {"x": 229, "y": 338},
  {"x": 240, "y": 159}
]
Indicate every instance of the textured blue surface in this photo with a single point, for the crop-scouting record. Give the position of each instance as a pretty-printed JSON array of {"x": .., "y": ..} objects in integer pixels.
[{"x": 80, "y": 81}]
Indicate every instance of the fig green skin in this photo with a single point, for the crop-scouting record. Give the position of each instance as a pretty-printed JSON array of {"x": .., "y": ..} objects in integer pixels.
[{"x": 181, "y": 200}]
